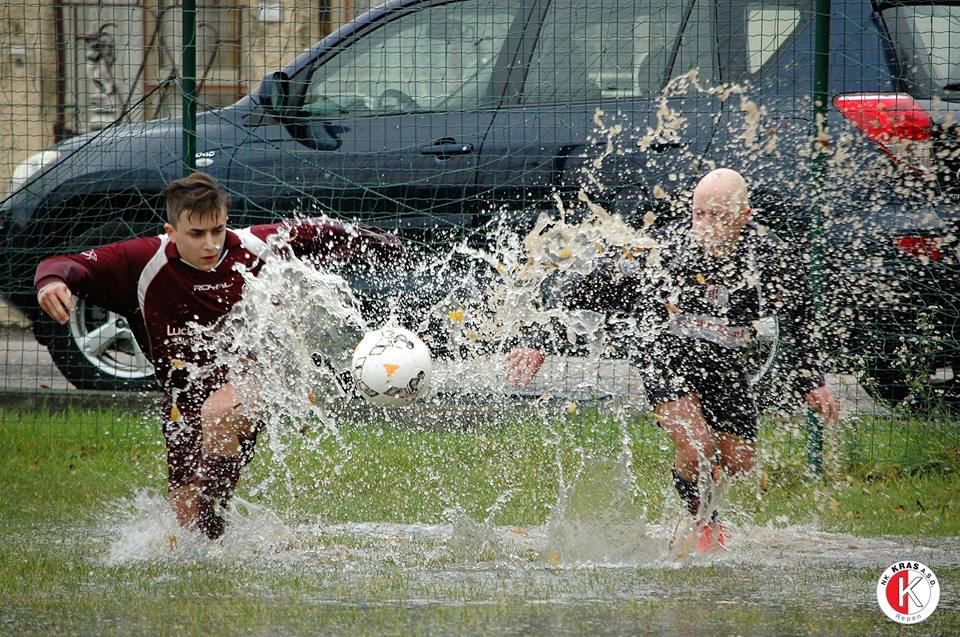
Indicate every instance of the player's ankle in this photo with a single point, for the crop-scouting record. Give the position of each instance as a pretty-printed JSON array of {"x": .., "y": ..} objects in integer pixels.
[
  {"x": 207, "y": 520},
  {"x": 688, "y": 490}
]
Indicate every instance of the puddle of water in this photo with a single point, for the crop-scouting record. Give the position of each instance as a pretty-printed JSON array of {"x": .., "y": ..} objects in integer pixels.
[
  {"x": 142, "y": 530},
  {"x": 574, "y": 574}
]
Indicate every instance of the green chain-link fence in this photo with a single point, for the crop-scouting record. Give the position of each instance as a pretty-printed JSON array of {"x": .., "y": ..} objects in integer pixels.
[{"x": 457, "y": 124}]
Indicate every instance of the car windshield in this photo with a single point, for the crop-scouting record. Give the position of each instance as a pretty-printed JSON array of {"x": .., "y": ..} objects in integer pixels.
[
  {"x": 439, "y": 58},
  {"x": 927, "y": 39}
]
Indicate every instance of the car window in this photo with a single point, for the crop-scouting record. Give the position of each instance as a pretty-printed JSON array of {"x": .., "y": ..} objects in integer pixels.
[
  {"x": 603, "y": 49},
  {"x": 927, "y": 39},
  {"x": 752, "y": 32},
  {"x": 698, "y": 44},
  {"x": 439, "y": 58},
  {"x": 768, "y": 27}
]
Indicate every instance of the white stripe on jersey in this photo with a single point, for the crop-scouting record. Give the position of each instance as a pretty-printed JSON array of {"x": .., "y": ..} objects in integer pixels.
[
  {"x": 150, "y": 271},
  {"x": 253, "y": 244}
]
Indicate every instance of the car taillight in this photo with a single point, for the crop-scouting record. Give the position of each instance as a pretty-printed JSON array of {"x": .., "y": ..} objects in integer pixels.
[
  {"x": 919, "y": 246},
  {"x": 895, "y": 122}
]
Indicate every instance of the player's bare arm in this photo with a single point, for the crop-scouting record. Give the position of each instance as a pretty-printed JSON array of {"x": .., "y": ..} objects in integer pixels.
[{"x": 523, "y": 363}]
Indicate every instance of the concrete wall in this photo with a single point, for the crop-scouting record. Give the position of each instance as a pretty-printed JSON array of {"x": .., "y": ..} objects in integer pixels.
[{"x": 27, "y": 81}]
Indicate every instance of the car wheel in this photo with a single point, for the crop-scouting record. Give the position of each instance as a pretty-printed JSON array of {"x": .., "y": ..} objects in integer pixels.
[{"x": 97, "y": 350}]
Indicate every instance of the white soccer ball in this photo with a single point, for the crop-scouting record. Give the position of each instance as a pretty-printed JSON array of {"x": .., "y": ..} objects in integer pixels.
[{"x": 391, "y": 367}]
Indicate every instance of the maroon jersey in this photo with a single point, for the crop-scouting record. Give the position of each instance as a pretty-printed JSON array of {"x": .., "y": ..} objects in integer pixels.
[{"x": 146, "y": 281}]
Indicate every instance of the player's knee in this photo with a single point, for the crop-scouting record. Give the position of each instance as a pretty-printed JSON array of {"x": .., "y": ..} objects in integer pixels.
[
  {"x": 212, "y": 409},
  {"x": 693, "y": 459},
  {"x": 221, "y": 428},
  {"x": 697, "y": 446},
  {"x": 693, "y": 454},
  {"x": 683, "y": 409},
  {"x": 735, "y": 470},
  {"x": 687, "y": 467},
  {"x": 220, "y": 442},
  {"x": 737, "y": 461}
]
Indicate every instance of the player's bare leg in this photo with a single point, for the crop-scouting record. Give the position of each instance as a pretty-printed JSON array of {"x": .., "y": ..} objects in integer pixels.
[
  {"x": 225, "y": 427},
  {"x": 735, "y": 453},
  {"x": 683, "y": 421},
  {"x": 694, "y": 446},
  {"x": 185, "y": 502},
  {"x": 223, "y": 423},
  {"x": 734, "y": 457}
]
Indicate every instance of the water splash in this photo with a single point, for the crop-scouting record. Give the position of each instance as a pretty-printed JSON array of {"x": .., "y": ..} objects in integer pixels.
[
  {"x": 143, "y": 529},
  {"x": 297, "y": 324},
  {"x": 597, "y": 521},
  {"x": 286, "y": 345}
]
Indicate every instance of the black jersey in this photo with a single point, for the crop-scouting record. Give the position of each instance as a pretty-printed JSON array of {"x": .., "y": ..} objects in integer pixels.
[{"x": 675, "y": 287}]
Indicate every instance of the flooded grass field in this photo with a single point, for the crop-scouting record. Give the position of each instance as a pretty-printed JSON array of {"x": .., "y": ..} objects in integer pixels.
[{"x": 523, "y": 528}]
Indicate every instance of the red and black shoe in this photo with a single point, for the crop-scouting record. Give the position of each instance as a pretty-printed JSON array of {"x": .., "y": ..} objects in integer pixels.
[{"x": 712, "y": 538}]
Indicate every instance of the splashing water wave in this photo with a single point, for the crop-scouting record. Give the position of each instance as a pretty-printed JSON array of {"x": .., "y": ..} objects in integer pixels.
[{"x": 142, "y": 530}]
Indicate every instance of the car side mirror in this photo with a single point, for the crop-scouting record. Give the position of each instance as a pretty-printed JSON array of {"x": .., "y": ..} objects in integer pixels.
[{"x": 272, "y": 93}]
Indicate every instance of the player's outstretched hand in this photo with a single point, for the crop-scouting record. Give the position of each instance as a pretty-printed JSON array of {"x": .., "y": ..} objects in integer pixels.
[
  {"x": 523, "y": 363},
  {"x": 824, "y": 403},
  {"x": 56, "y": 299}
]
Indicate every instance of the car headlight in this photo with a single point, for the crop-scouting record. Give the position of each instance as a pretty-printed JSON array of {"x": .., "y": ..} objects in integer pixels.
[{"x": 30, "y": 167}]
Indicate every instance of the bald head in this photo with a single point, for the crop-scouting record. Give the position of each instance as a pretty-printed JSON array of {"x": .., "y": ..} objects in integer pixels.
[
  {"x": 721, "y": 207},
  {"x": 721, "y": 187}
]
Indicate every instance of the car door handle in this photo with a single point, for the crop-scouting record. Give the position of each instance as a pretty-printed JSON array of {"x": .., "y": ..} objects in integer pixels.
[
  {"x": 662, "y": 144},
  {"x": 446, "y": 150}
]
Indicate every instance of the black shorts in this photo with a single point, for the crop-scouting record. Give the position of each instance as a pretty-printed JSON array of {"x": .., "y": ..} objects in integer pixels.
[{"x": 676, "y": 367}]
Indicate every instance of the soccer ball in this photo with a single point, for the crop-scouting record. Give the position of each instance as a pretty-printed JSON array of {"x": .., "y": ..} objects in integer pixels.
[{"x": 391, "y": 367}]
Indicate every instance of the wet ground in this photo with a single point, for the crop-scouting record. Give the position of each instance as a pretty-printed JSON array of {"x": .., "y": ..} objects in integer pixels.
[
  {"x": 138, "y": 530},
  {"x": 558, "y": 579}
]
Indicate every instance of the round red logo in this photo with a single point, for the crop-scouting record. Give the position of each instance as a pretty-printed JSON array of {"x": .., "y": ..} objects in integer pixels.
[{"x": 908, "y": 592}]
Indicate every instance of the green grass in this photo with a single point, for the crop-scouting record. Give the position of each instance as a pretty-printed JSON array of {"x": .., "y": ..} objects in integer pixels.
[
  {"x": 61, "y": 473},
  {"x": 57, "y": 466},
  {"x": 406, "y": 474}
]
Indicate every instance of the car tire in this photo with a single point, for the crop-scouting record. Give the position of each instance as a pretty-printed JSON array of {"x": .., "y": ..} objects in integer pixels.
[{"x": 96, "y": 349}]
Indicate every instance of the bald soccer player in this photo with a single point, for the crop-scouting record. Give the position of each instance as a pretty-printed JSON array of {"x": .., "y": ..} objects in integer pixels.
[{"x": 717, "y": 273}]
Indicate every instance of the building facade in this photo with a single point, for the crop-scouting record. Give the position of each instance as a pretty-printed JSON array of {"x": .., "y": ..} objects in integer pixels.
[{"x": 74, "y": 66}]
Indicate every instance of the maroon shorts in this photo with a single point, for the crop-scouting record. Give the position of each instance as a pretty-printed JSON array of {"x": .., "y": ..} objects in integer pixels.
[{"x": 183, "y": 433}]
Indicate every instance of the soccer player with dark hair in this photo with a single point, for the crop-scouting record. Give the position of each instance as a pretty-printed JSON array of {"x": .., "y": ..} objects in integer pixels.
[{"x": 191, "y": 274}]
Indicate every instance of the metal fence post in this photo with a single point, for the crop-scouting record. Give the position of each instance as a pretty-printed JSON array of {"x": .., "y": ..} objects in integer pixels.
[
  {"x": 189, "y": 85},
  {"x": 821, "y": 59}
]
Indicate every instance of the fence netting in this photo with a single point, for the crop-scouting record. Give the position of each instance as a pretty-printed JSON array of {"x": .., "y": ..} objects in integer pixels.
[{"x": 507, "y": 143}]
